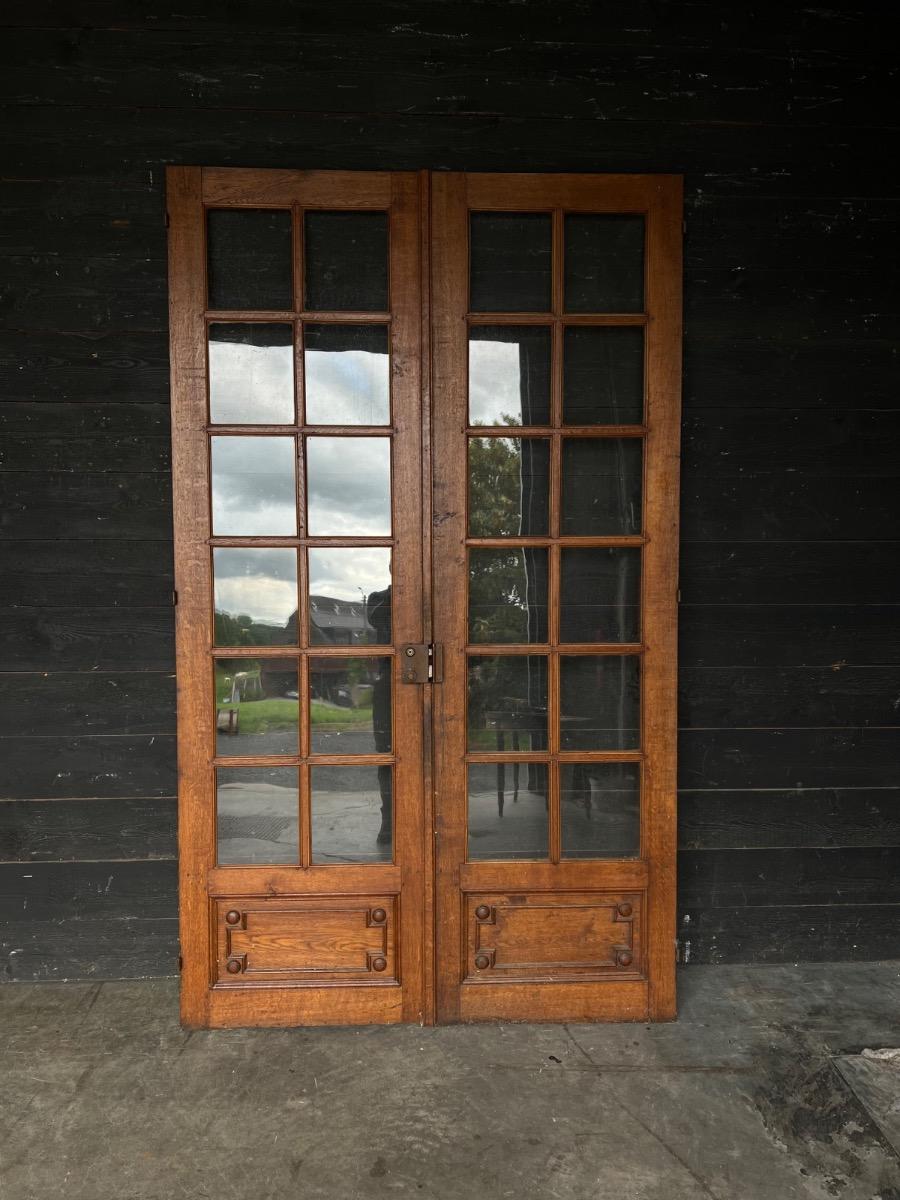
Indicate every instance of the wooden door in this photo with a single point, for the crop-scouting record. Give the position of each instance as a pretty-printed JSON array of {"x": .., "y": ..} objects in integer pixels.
[
  {"x": 556, "y": 318},
  {"x": 296, "y": 355},
  {"x": 363, "y": 839}
]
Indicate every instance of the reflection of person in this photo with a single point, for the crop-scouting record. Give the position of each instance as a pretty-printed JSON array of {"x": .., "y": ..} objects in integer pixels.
[{"x": 378, "y": 615}]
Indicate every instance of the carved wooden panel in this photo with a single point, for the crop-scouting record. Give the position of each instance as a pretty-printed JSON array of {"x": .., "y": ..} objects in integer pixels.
[
  {"x": 314, "y": 940},
  {"x": 553, "y": 936}
]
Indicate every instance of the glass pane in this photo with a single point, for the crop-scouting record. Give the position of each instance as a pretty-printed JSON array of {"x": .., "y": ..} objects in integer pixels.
[
  {"x": 346, "y": 261},
  {"x": 347, "y": 375},
  {"x": 600, "y": 810},
  {"x": 600, "y": 595},
  {"x": 599, "y": 702},
  {"x": 601, "y": 486},
  {"x": 507, "y": 707},
  {"x": 350, "y": 596},
  {"x": 351, "y": 814},
  {"x": 257, "y": 814},
  {"x": 507, "y": 811},
  {"x": 251, "y": 374},
  {"x": 604, "y": 271},
  {"x": 509, "y": 375},
  {"x": 510, "y": 262},
  {"x": 350, "y": 705},
  {"x": 257, "y": 706},
  {"x": 507, "y": 595},
  {"x": 349, "y": 485},
  {"x": 249, "y": 255},
  {"x": 254, "y": 486},
  {"x": 603, "y": 381},
  {"x": 509, "y": 486},
  {"x": 255, "y": 596}
]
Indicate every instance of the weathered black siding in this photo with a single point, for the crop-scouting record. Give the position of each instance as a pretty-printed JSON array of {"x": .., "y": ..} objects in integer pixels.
[{"x": 776, "y": 114}]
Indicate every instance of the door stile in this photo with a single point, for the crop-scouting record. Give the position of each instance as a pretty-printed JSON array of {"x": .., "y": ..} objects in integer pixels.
[
  {"x": 196, "y": 840},
  {"x": 449, "y": 374},
  {"x": 660, "y": 582}
]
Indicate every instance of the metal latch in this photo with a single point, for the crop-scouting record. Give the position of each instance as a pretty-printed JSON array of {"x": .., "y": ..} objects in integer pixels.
[{"x": 422, "y": 663}]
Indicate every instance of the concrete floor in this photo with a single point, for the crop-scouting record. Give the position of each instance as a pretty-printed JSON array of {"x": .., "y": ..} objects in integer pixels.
[{"x": 747, "y": 1096}]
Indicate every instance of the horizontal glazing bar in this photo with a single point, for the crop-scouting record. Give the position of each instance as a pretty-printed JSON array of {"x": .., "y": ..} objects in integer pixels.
[
  {"x": 573, "y": 756},
  {"x": 297, "y": 760},
  {"x": 364, "y": 650},
  {"x": 569, "y": 431},
  {"x": 564, "y": 648},
  {"x": 349, "y": 543},
  {"x": 512, "y": 543},
  {"x": 321, "y": 318},
  {"x": 294, "y": 430},
  {"x": 513, "y": 318}
]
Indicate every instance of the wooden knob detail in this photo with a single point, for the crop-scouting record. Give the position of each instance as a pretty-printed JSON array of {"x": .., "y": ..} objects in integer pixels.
[
  {"x": 232, "y": 917},
  {"x": 379, "y": 916},
  {"x": 482, "y": 962},
  {"x": 482, "y": 912},
  {"x": 625, "y": 909},
  {"x": 624, "y": 958},
  {"x": 379, "y": 964},
  {"x": 234, "y": 966}
]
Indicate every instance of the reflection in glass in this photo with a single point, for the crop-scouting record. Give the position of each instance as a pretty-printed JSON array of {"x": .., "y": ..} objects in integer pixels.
[
  {"x": 349, "y": 486},
  {"x": 509, "y": 485},
  {"x": 507, "y": 811},
  {"x": 255, "y": 596},
  {"x": 599, "y": 700},
  {"x": 251, "y": 374},
  {"x": 507, "y": 595},
  {"x": 510, "y": 262},
  {"x": 257, "y": 706},
  {"x": 254, "y": 486},
  {"x": 600, "y": 810},
  {"x": 507, "y": 708},
  {"x": 346, "y": 261},
  {"x": 603, "y": 381},
  {"x": 509, "y": 375},
  {"x": 347, "y": 375},
  {"x": 249, "y": 257},
  {"x": 257, "y": 815},
  {"x": 604, "y": 263},
  {"x": 600, "y": 594},
  {"x": 601, "y": 486},
  {"x": 350, "y": 596},
  {"x": 351, "y": 814},
  {"x": 350, "y": 705}
]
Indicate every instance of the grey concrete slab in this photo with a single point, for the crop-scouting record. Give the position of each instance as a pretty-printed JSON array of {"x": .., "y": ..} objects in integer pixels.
[
  {"x": 105, "y": 1096},
  {"x": 877, "y": 1087}
]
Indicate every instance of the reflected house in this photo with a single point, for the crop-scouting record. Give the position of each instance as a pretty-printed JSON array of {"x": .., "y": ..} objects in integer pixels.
[{"x": 332, "y": 622}]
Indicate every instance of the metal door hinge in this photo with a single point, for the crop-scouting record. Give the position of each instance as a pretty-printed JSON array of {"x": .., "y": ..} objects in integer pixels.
[{"x": 421, "y": 663}]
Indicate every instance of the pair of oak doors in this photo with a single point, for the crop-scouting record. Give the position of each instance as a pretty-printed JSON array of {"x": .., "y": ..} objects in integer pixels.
[{"x": 425, "y": 435}]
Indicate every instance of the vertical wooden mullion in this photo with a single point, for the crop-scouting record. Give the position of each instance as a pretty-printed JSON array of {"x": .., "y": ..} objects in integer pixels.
[{"x": 450, "y": 292}]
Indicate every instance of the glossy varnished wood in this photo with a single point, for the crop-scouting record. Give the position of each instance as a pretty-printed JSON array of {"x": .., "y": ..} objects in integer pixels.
[{"x": 473, "y": 989}]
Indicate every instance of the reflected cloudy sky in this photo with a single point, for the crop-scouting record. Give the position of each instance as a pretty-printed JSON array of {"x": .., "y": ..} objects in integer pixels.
[
  {"x": 495, "y": 383},
  {"x": 261, "y": 582},
  {"x": 349, "y": 486},
  {"x": 251, "y": 384},
  {"x": 347, "y": 375},
  {"x": 254, "y": 486},
  {"x": 350, "y": 574}
]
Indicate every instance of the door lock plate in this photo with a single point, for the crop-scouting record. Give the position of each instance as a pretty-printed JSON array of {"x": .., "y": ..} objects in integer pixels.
[{"x": 421, "y": 663}]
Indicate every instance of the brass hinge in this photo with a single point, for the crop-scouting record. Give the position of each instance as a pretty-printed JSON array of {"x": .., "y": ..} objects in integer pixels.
[{"x": 422, "y": 663}]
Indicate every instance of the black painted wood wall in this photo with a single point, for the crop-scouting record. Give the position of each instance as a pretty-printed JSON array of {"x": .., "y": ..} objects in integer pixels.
[{"x": 777, "y": 115}]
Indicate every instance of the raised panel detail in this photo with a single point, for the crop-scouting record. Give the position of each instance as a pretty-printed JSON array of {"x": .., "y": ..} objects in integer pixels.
[
  {"x": 315, "y": 940},
  {"x": 553, "y": 936}
]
